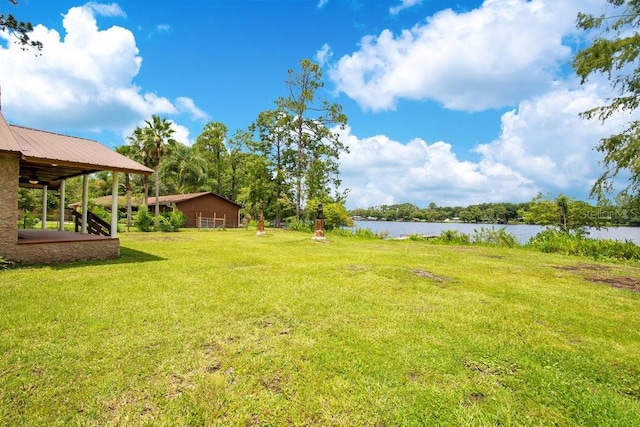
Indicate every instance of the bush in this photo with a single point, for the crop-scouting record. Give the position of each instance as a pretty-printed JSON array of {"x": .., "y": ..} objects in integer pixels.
[
  {"x": 360, "y": 233},
  {"x": 171, "y": 221},
  {"x": 29, "y": 220},
  {"x": 143, "y": 220},
  {"x": 493, "y": 237},
  {"x": 299, "y": 225},
  {"x": 453, "y": 237},
  {"x": 576, "y": 243}
]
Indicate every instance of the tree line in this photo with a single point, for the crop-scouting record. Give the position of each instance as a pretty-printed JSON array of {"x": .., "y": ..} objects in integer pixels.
[
  {"x": 561, "y": 212},
  {"x": 284, "y": 163}
]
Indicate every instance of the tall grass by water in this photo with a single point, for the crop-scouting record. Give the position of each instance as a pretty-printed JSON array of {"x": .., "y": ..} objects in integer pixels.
[{"x": 228, "y": 328}]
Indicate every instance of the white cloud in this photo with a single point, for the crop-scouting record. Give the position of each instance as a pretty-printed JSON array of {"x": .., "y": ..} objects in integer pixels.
[
  {"x": 324, "y": 54},
  {"x": 379, "y": 170},
  {"x": 546, "y": 140},
  {"x": 489, "y": 57},
  {"x": 321, "y": 3},
  {"x": 544, "y": 146},
  {"x": 187, "y": 105},
  {"x": 112, "y": 9},
  {"x": 404, "y": 5},
  {"x": 84, "y": 78}
]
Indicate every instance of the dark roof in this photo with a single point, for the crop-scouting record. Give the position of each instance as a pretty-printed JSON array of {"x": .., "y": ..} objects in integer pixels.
[{"x": 51, "y": 157}]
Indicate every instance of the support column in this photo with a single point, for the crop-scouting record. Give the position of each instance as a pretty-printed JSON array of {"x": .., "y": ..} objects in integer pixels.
[
  {"x": 85, "y": 202},
  {"x": 44, "y": 207},
  {"x": 114, "y": 206},
  {"x": 63, "y": 203}
]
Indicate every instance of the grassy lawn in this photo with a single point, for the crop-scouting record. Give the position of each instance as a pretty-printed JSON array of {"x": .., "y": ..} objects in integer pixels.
[{"x": 227, "y": 328}]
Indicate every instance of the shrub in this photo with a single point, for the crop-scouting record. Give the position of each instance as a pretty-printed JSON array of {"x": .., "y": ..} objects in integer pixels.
[
  {"x": 171, "y": 221},
  {"x": 29, "y": 220},
  {"x": 143, "y": 220},
  {"x": 453, "y": 237},
  {"x": 299, "y": 225},
  {"x": 576, "y": 243},
  {"x": 493, "y": 237}
]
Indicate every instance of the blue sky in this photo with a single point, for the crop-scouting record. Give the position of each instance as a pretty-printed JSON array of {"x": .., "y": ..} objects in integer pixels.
[{"x": 452, "y": 102}]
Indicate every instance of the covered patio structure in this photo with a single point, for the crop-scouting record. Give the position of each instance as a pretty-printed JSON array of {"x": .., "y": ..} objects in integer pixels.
[{"x": 32, "y": 158}]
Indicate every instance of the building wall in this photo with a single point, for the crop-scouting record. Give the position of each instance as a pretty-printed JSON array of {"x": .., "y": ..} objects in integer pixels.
[
  {"x": 48, "y": 253},
  {"x": 209, "y": 205},
  {"x": 9, "y": 168}
]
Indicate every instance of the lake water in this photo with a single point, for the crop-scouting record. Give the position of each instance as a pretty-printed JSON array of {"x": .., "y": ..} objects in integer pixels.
[{"x": 522, "y": 232}]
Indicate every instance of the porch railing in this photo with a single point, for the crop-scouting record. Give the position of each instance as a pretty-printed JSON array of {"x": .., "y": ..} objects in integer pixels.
[{"x": 95, "y": 224}]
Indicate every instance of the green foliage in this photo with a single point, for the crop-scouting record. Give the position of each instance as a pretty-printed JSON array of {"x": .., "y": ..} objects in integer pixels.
[
  {"x": 171, "y": 221},
  {"x": 334, "y": 214},
  {"x": 562, "y": 213},
  {"x": 360, "y": 233},
  {"x": 493, "y": 237},
  {"x": 299, "y": 225},
  {"x": 574, "y": 242},
  {"x": 211, "y": 144},
  {"x": 19, "y": 29},
  {"x": 614, "y": 52},
  {"x": 453, "y": 237},
  {"x": 4, "y": 264},
  {"x": 143, "y": 219},
  {"x": 483, "y": 212},
  {"x": 28, "y": 221},
  {"x": 308, "y": 122}
]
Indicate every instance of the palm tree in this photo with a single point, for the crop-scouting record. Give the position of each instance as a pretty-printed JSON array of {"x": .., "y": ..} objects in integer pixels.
[
  {"x": 184, "y": 170},
  {"x": 140, "y": 153},
  {"x": 158, "y": 140}
]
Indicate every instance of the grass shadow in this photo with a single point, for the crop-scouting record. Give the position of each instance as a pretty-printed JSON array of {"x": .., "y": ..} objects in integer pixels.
[{"x": 127, "y": 256}]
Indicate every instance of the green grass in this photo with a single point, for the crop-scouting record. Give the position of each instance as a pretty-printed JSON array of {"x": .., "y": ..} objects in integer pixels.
[{"x": 227, "y": 328}]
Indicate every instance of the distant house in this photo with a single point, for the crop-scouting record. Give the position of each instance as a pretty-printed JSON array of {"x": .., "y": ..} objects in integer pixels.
[{"x": 203, "y": 210}]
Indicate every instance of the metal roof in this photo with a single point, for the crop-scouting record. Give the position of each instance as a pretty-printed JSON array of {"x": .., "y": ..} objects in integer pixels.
[{"x": 50, "y": 157}]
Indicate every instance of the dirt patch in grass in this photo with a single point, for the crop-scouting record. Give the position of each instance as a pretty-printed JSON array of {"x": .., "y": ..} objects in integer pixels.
[
  {"x": 475, "y": 397},
  {"x": 428, "y": 275},
  {"x": 620, "y": 282},
  {"x": 596, "y": 273},
  {"x": 583, "y": 267}
]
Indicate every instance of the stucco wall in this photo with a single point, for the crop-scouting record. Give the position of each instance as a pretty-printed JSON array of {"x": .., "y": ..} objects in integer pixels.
[{"x": 8, "y": 205}]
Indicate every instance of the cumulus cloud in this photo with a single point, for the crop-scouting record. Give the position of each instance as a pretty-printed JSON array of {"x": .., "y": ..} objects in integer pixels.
[
  {"x": 547, "y": 141},
  {"x": 489, "y": 57},
  {"x": 379, "y": 170},
  {"x": 84, "y": 79},
  {"x": 544, "y": 146},
  {"x": 404, "y": 5}
]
